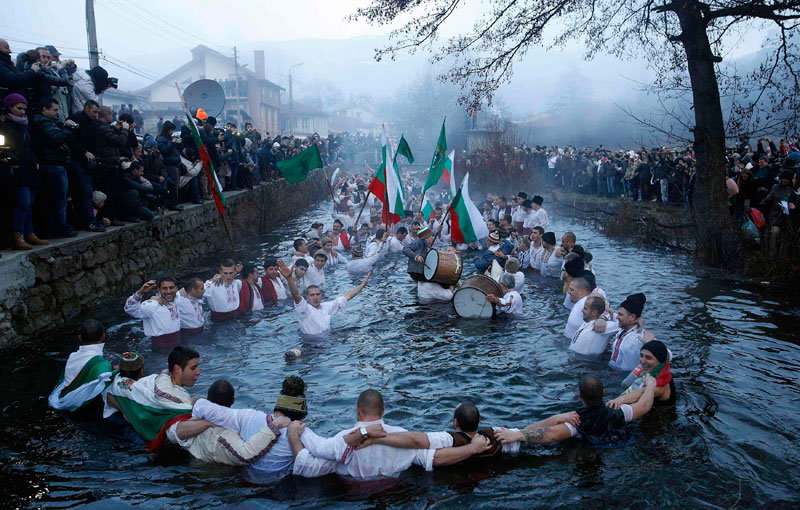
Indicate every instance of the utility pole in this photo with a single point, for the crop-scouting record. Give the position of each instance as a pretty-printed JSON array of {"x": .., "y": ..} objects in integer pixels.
[
  {"x": 238, "y": 99},
  {"x": 91, "y": 35},
  {"x": 291, "y": 100}
]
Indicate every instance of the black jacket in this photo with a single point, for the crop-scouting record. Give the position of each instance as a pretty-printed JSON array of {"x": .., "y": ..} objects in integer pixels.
[
  {"x": 18, "y": 139},
  {"x": 83, "y": 140},
  {"x": 50, "y": 141},
  {"x": 109, "y": 141},
  {"x": 128, "y": 181},
  {"x": 169, "y": 151}
]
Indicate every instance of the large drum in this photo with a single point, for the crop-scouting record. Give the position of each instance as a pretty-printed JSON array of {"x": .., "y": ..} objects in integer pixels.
[
  {"x": 443, "y": 267},
  {"x": 470, "y": 299}
]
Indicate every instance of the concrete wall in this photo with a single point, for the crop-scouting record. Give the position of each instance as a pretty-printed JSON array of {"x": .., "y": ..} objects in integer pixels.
[{"x": 44, "y": 289}]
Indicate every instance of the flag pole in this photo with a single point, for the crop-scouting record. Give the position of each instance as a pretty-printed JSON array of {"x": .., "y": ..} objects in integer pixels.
[
  {"x": 449, "y": 207},
  {"x": 356, "y": 225},
  {"x": 329, "y": 188},
  {"x": 224, "y": 221}
]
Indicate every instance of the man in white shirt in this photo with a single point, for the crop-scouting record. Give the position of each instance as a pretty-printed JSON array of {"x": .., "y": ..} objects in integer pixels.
[
  {"x": 347, "y": 219},
  {"x": 222, "y": 292},
  {"x": 630, "y": 336},
  {"x": 314, "y": 315},
  {"x": 334, "y": 257},
  {"x": 539, "y": 218},
  {"x": 578, "y": 290},
  {"x": 190, "y": 307},
  {"x": 377, "y": 243},
  {"x": 315, "y": 275},
  {"x": 596, "y": 424},
  {"x": 511, "y": 302},
  {"x": 586, "y": 340},
  {"x": 537, "y": 249},
  {"x": 551, "y": 261},
  {"x": 360, "y": 263},
  {"x": 375, "y": 461},
  {"x": 466, "y": 420},
  {"x": 396, "y": 243},
  {"x": 250, "y": 298},
  {"x": 160, "y": 316},
  {"x": 428, "y": 292},
  {"x": 273, "y": 287},
  {"x": 412, "y": 236}
]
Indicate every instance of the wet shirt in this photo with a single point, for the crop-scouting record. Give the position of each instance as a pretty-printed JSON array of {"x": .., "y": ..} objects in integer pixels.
[
  {"x": 625, "y": 349},
  {"x": 602, "y": 425},
  {"x": 510, "y": 303},
  {"x": 314, "y": 321},
  {"x": 157, "y": 319},
  {"x": 223, "y": 297},
  {"x": 431, "y": 291},
  {"x": 575, "y": 320},
  {"x": 588, "y": 341},
  {"x": 190, "y": 310}
]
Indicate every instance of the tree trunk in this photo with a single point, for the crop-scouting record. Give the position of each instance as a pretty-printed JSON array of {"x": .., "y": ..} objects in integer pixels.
[{"x": 716, "y": 239}]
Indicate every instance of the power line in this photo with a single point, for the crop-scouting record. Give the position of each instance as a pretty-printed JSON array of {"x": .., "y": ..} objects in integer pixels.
[
  {"x": 127, "y": 17},
  {"x": 182, "y": 29}
]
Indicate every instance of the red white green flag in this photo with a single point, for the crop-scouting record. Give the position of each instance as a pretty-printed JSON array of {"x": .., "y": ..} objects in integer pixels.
[
  {"x": 466, "y": 220},
  {"x": 447, "y": 176},
  {"x": 387, "y": 186},
  {"x": 214, "y": 185},
  {"x": 335, "y": 177}
]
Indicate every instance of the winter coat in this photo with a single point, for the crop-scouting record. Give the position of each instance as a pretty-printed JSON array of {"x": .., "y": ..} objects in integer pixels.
[
  {"x": 83, "y": 90},
  {"x": 83, "y": 140},
  {"x": 109, "y": 142},
  {"x": 169, "y": 151},
  {"x": 26, "y": 172},
  {"x": 50, "y": 141}
]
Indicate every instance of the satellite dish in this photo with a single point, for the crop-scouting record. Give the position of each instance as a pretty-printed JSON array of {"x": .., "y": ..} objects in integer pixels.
[{"x": 205, "y": 94}]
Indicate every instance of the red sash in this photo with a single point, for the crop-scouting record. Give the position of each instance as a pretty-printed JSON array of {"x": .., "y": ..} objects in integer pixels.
[
  {"x": 224, "y": 316},
  {"x": 155, "y": 444},
  {"x": 166, "y": 341}
]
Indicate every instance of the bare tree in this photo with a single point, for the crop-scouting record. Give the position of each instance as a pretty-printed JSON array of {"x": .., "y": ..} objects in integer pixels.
[{"x": 683, "y": 41}]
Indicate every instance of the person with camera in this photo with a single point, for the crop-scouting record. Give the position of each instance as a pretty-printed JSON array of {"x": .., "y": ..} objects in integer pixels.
[
  {"x": 90, "y": 85},
  {"x": 110, "y": 139},
  {"x": 50, "y": 147},
  {"x": 80, "y": 172}
]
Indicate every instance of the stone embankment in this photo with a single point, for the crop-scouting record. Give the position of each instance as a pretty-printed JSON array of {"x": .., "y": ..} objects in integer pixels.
[
  {"x": 647, "y": 222},
  {"x": 51, "y": 286}
]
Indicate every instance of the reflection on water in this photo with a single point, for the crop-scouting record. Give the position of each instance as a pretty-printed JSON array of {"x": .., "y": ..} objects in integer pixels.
[{"x": 730, "y": 441}]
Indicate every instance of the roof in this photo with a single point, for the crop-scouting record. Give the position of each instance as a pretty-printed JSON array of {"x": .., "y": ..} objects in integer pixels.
[{"x": 198, "y": 52}]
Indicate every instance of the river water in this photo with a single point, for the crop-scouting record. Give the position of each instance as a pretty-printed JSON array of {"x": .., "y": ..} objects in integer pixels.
[{"x": 730, "y": 441}]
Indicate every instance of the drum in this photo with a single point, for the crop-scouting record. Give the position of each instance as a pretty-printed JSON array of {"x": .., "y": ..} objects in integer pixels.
[
  {"x": 443, "y": 267},
  {"x": 470, "y": 299}
]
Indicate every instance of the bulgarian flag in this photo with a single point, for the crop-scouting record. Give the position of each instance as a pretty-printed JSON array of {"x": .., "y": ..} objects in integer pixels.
[
  {"x": 148, "y": 408},
  {"x": 387, "y": 186},
  {"x": 427, "y": 208},
  {"x": 335, "y": 177},
  {"x": 91, "y": 381},
  {"x": 466, "y": 220},
  {"x": 214, "y": 186}
]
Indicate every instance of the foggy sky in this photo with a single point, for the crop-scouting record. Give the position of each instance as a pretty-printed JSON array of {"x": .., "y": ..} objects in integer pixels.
[{"x": 146, "y": 39}]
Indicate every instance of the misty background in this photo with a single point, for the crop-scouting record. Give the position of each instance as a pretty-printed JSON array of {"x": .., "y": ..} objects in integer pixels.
[{"x": 553, "y": 98}]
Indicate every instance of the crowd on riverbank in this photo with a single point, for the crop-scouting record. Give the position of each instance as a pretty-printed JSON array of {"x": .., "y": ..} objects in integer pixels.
[
  {"x": 67, "y": 163},
  {"x": 517, "y": 246}
]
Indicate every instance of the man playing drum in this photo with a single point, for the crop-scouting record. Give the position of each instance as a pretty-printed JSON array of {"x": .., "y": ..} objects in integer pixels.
[{"x": 511, "y": 302}]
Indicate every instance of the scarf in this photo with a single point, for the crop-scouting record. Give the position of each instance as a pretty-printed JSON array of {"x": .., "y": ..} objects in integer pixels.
[
  {"x": 19, "y": 120},
  {"x": 660, "y": 372}
]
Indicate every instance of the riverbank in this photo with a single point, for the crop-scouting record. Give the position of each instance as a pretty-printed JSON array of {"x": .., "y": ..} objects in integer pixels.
[
  {"x": 646, "y": 222},
  {"x": 49, "y": 287}
]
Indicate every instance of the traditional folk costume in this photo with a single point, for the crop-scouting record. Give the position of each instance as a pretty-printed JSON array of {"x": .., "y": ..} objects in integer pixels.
[
  {"x": 588, "y": 341},
  {"x": 190, "y": 311},
  {"x": 417, "y": 248},
  {"x": 314, "y": 276},
  {"x": 277, "y": 462},
  {"x": 575, "y": 320},
  {"x": 86, "y": 375},
  {"x": 162, "y": 323},
  {"x": 551, "y": 264},
  {"x": 273, "y": 291},
  {"x": 627, "y": 343},
  {"x": 347, "y": 220},
  {"x": 363, "y": 264},
  {"x": 250, "y": 297},
  {"x": 315, "y": 321},
  {"x": 510, "y": 303},
  {"x": 340, "y": 243},
  {"x": 321, "y": 456},
  {"x": 224, "y": 446},
  {"x": 223, "y": 299},
  {"x": 535, "y": 258},
  {"x": 394, "y": 245},
  {"x": 153, "y": 405}
]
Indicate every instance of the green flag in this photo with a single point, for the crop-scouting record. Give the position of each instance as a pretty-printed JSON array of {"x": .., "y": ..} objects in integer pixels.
[
  {"x": 437, "y": 163},
  {"x": 403, "y": 149},
  {"x": 296, "y": 169}
]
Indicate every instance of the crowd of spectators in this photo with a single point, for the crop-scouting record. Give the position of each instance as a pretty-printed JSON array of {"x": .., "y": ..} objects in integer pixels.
[
  {"x": 68, "y": 163},
  {"x": 763, "y": 181}
]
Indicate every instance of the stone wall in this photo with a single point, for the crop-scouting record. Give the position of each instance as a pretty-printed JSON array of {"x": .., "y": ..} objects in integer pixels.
[{"x": 46, "y": 288}]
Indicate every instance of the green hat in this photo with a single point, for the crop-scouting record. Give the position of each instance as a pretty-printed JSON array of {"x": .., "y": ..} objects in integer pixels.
[
  {"x": 424, "y": 233},
  {"x": 131, "y": 362}
]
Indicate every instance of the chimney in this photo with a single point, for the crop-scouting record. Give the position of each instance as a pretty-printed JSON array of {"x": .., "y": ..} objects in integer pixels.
[{"x": 260, "y": 70}]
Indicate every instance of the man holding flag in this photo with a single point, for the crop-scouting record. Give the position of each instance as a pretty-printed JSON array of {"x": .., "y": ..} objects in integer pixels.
[{"x": 387, "y": 186}]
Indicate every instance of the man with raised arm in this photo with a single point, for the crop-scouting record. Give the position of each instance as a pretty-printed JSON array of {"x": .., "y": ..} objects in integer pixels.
[
  {"x": 314, "y": 315},
  {"x": 160, "y": 316},
  {"x": 598, "y": 424}
]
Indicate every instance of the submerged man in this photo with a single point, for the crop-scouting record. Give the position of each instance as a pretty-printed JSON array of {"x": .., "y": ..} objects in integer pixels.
[
  {"x": 222, "y": 292},
  {"x": 511, "y": 302},
  {"x": 160, "y": 316}
]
